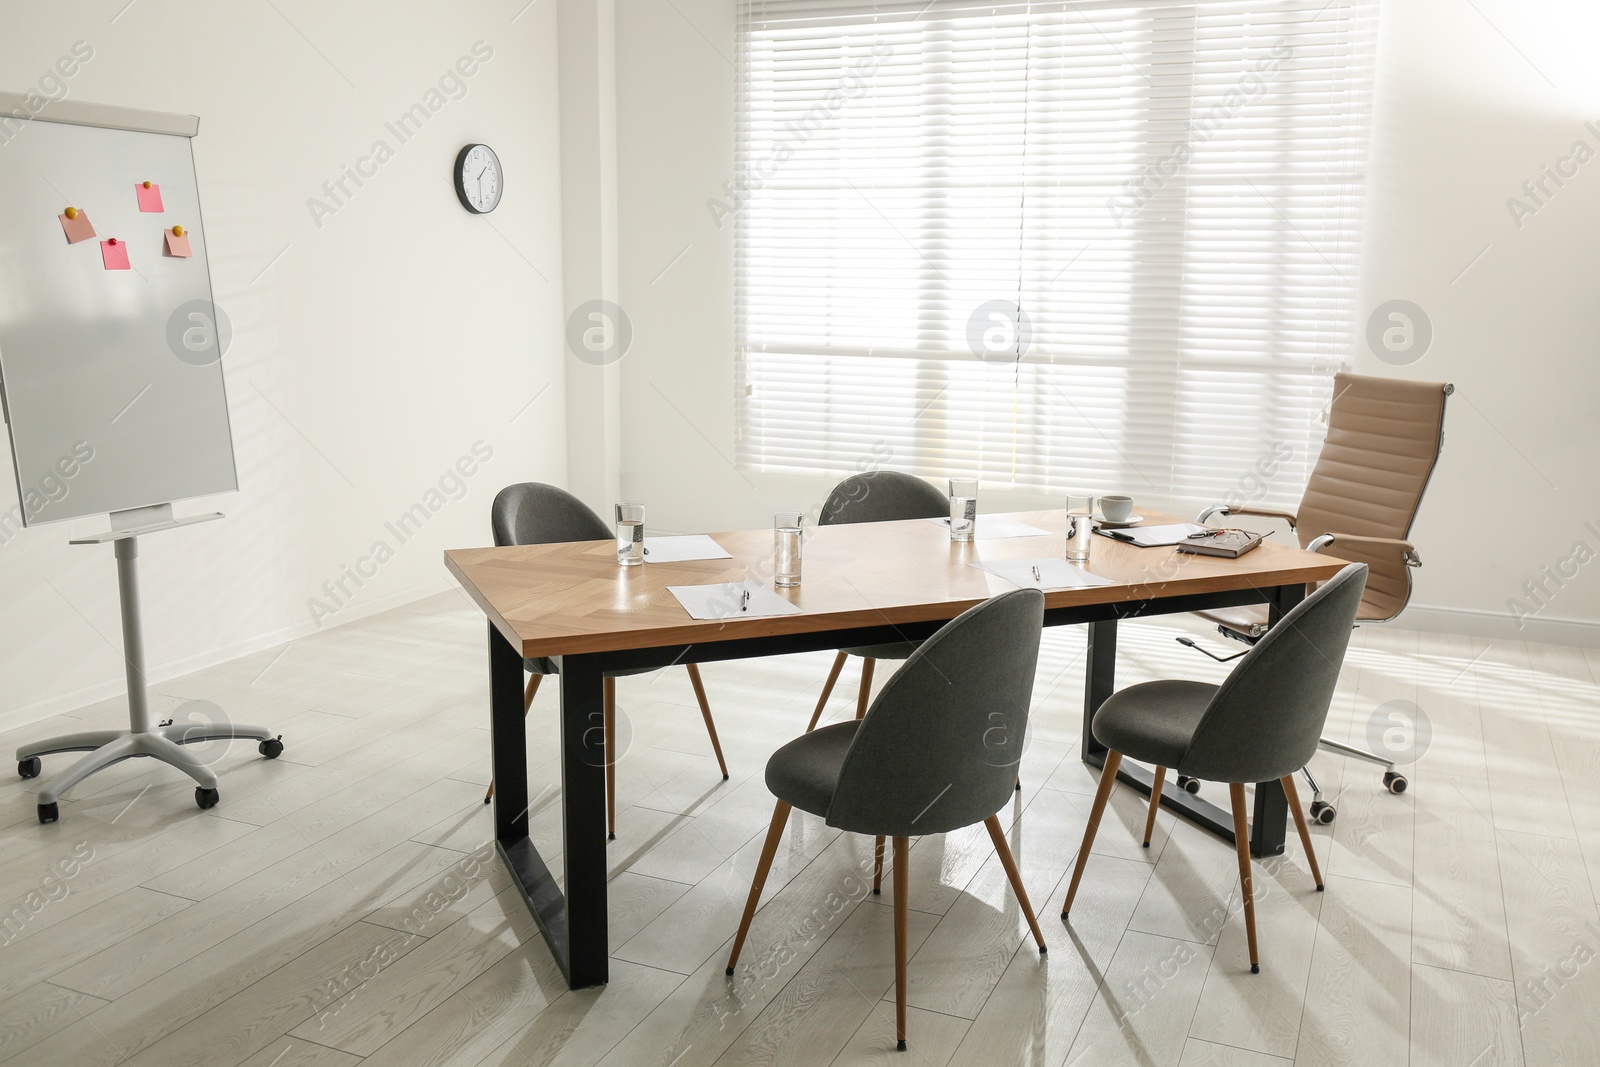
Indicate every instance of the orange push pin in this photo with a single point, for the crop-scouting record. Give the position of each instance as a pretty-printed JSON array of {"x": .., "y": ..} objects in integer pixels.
[
  {"x": 147, "y": 185},
  {"x": 72, "y": 212},
  {"x": 177, "y": 231}
]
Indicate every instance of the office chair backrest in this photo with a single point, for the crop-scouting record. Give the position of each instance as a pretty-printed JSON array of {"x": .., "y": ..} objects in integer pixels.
[
  {"x": 940, "y": 746},
  {"x": 883, "y": 496},
  {"x": 532, "y": 513},
  {"x": 1265, "y": 720},
  {"x": 1383, "y": 441}
]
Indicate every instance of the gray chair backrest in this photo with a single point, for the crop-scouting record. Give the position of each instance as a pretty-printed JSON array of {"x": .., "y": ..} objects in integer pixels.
[
  {"x": 940, "y": 747},
  {"x": 1265, "y": 720},
  {"x": 883, "y": 496},
  {"x": 532, "y": 513}
]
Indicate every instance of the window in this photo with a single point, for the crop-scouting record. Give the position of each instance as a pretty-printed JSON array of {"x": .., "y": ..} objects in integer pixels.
[{"x": 1109, "y": 245}]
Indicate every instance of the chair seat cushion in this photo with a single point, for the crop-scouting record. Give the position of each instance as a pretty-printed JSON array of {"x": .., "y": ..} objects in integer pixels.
[
  {"x": 548, "y": 666},
  {"x": 898, "y": 650},
  {"x": 1153, "y": 722},
  {"x": 805, "y": 772}
]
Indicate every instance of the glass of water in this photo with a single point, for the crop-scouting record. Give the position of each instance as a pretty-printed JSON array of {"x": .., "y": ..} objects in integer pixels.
[
  {"x": 630, "y": 533},
  {"x": 787, "y": 528},
  {"x": 963, "y": 508},
  {"x": 1080, "y": 526}
]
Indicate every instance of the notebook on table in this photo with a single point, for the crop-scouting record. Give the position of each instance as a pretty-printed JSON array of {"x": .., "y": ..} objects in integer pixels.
[{"x": 1230, "y": 544}]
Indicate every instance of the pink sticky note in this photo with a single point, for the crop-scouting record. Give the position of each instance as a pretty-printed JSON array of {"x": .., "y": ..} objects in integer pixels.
[
  {"x": 178, "y": 245},
  {"x": 149, "y": 199},
  {"x": 78, "y": 229},
  {"x": 115, "y": 254}
]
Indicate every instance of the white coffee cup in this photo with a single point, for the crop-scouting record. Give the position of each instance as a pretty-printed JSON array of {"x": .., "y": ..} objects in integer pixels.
[{"x": 1116, "y": 508}]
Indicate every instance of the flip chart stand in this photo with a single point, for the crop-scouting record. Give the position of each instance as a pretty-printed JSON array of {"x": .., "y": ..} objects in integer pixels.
[{"x": 163, "y": 741}]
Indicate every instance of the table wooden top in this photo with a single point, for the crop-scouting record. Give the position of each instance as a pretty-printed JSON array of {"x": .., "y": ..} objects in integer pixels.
[{"x": 560, "y": 599}]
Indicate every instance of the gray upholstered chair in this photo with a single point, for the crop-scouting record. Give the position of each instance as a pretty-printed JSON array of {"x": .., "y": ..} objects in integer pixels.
[
  {"x": 1260, "y": 725},
  {"x": 532, "y": 513},
  {"x": 875, "y": 496},
  {"x": 937, "y": 751}
]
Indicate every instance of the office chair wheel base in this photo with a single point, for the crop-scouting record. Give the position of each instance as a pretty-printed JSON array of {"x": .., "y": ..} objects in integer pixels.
[
  {"x": 1395, "y": 782},
  {"x": 206, "y": 798},
  {"x": 1322, "y": 812},
  {"x": 49, "y": 813},
  {"x": 1189, "y": 785},
  {"x": 271, "y": 748},
  {"x": 30, "y": 767}
]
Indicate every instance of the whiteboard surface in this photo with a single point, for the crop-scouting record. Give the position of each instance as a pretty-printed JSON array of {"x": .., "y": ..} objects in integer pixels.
[{"x": 90, "y": 359}]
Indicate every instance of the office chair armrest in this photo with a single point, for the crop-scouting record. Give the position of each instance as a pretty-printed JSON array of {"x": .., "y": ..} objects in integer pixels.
[
  {"x": 1229, "y": 510},
  {"x": 1408, "y": 551}
]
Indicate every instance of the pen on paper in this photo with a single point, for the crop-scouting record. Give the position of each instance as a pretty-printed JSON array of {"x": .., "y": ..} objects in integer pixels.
[
  {"x": 1037, "y": 576},
  {"x": 744, "y": 601}
]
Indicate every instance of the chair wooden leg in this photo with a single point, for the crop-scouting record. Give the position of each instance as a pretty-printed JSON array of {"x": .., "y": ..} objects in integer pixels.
[
  {"x": 1241, "y": 839},
  {"x": 902, "y": 910},
  {"x": 1108, "y": 778},
  {"x": 527, "y": 703},
  {"x": 705, "y": 713},
  {"x": 865, "y": 696},
  {"x": 1287, "y": 781},
  {"x": 611, "y": 757},
  {"x": 877, "y": 867},
  {"x": 1155, "y": 804},
  {"x": 1004, "y": 849},
  {"x": 780, "y": 816},
  {"x": 827, "y": 690}
]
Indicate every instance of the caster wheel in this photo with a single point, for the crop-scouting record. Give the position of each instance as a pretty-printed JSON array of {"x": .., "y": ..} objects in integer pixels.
[
  {"x": 271, "y": 748},
  {"x": 49, "y": 813},
  {"x": 1395, "y": 782},
  {"x": 206, "y": 798},
  {"x": 30, "y": 767},
  {"x": 1322, "y": 812},
  {"x": 1189, "y": 785}
]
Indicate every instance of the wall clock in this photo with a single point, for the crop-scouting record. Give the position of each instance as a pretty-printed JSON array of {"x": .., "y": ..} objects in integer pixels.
[{"x": 479, "y": 181}]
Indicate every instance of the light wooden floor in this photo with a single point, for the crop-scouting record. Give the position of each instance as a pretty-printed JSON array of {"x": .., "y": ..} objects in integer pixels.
[{"x": 333, "y": 909}]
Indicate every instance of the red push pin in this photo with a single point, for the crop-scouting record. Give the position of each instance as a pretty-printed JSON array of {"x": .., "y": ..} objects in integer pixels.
[{"x": 112, "y": 242}]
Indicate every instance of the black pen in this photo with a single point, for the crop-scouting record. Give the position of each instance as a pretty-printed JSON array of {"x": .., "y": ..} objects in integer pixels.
[{"x": 1128, "y": 538}]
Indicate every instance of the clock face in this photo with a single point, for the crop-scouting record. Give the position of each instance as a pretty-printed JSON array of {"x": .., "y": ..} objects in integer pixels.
[{"x": 479, "y": 181}]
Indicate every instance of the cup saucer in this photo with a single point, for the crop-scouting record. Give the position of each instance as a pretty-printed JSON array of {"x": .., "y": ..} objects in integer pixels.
[{"x": 1115, "y": 524}]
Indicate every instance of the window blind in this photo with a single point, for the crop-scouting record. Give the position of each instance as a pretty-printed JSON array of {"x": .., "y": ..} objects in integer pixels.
[{"x": 1081, "y": 244}]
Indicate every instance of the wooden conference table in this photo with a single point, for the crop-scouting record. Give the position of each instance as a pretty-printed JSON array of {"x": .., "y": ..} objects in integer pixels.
[{"x": 863, "y": 584}]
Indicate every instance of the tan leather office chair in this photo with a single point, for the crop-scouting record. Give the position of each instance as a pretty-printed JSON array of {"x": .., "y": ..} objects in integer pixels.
[{"x": 1383, "y": 442}]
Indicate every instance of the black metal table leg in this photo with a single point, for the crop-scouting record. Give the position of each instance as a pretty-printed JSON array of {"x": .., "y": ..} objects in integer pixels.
[
  {"x": 574, "y": 923},
  {"x": 583, "y": 819}
]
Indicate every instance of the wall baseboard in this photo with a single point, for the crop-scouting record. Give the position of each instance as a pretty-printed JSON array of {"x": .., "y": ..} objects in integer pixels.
[
  {"x": 1502, "y": 626},
  {"x": 166, "y": 672}
]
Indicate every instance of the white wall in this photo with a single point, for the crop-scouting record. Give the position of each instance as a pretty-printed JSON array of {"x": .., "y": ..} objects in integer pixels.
[
  {"x": 1461, "y": 120},
  {"x": 369, "y": 353}
]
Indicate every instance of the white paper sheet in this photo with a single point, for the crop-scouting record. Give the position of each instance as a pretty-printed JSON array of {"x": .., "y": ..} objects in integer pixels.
[
  {"x": 727, "y": 601},
  {"x": 993, "y": 529},
  {"x": 683, "y": 549},
  {"x": 1052, "y": 573},
  {"x": 1152, "y": 536}
]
